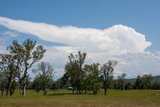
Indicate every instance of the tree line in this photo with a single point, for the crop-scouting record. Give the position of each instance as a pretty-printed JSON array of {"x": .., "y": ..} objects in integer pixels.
[
  {"x": 78, "y": 77},
  {"x": 93, "y": 77}
]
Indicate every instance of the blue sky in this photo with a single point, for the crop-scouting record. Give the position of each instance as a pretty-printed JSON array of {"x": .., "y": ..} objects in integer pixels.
[{"x": 85, "y": 17}]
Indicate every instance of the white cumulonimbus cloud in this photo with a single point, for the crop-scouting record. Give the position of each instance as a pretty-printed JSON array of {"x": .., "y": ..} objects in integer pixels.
[
  {"x": 118, "y": 42},
  {"x": 118, "y": 39}
]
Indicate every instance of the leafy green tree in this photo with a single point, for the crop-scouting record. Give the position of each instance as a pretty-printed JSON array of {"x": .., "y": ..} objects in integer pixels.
[
  {"x": 138, "y": 83},
  {"x": 64, "y": 81},
  {"x": 25, "y": 54},
  {"x": 107, "y": 74},
  {"x": 74, "y": 69},
  {"x": 9, "y": 68},
  {"x": 55, "y": 85},
  {"x": 122, "y": 81},
  {"x": 37, "y": 84},
  {"x": 143, "y": 82},
  {"x": 128, "y": 86},
  {"x": 92, "y": 78},
  {"x": 44, "y": 77},
  {"x": 156, "y": 85},
  {"x": 146, "y": 81},
  {"x": 2, "y": 82},
  {"x": 13, "y": 87}
]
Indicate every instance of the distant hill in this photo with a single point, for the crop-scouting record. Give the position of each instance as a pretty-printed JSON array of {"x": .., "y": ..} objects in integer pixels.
[{"x": 155, "y": 78}]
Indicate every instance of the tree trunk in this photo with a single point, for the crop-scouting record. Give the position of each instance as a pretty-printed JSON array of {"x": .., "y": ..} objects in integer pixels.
[
  {"x": 105, "y": 87},
  {"x": 2, "y": 92},
  {"x": 24, "y": 82},
  {"x": 24, "y": 90},
  {"x": 105, "y": 90},
  {"x": 73, "y": 90},
  {"x": 123, "y": 86},
  {"x": 20, "y": 91},
  {"x": 79, "y": 91},
  {"x": 44, "y": 90},
  {"x": 11, "y": 92},
  {"x": 8, "y": 87},
  {"x": 94, "y": 91},
  {"x": 79, "y": 87},
  {"x": 7, "y": 91},
  {"x": 85, "y": 90}
]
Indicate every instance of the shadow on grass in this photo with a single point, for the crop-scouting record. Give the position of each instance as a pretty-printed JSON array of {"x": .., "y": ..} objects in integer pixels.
[{"x": 61, "y": 94}]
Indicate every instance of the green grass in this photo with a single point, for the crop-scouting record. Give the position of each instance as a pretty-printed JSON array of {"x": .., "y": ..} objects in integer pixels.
[{"x": 62, "y": 98}]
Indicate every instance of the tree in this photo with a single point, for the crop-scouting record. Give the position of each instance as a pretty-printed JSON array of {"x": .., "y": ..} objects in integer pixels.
[
  {"x": 64, "y": 81},
  {"x": 55, "y": 85},
  {"x": 2, "y": 82},
  {"x": 122, "y": 81},
  {"x": 156, "y": 85},
  {"x": 25, "y": 54},
  {"x": 128, "y": 86},
  {"x": 138, "y": 83},
  {"x": 107, "y": 74},
  {"x": 37, "y": 84},
  {"x": 92, "y": 79},
  {"x": 143, "y": 82},
  {"x": 7, "y": 81},
  {"x": 9, "y": 67},
  {"x": 74, "y": 69},
  {"x": 44, "y": 77},
  {"x": 146, "y": 81}
]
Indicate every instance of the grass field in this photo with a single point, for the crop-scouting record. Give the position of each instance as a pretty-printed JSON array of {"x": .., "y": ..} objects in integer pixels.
[{"x": 131, "y": 98}]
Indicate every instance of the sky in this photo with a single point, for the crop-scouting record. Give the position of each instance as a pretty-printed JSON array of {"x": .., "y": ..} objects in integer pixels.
[{"x": 122, "y": 30}]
